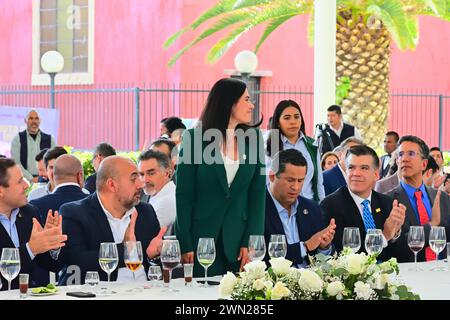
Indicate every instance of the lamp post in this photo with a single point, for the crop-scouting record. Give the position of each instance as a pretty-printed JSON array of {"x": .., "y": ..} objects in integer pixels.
[
  {"x": 245, "y": 63},
  {"x": 52, "y": 62}
]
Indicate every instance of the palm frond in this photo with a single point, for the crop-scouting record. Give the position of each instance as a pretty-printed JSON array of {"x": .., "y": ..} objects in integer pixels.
[
  {"x": 239, "y": 4},
  {"x": 271, "y": 27}
]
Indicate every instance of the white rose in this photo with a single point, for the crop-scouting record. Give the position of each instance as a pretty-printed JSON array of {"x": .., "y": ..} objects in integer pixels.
[
  {"x": 355, "y": 263},
  {"x": 280, "y": 266},
  {"x": 280, "y": 291},
  {"x": 335, "y": 288},
  {"x": 363, "y": 291},
  {"x": 309, "y": 280},
  {"x": 255, "y": 269},
  {"x": 258, "y": 285},
  {"x": 268, "y": 285},
  {"x": 227, "y": 284},
  {"x": 385, "y": 266}
]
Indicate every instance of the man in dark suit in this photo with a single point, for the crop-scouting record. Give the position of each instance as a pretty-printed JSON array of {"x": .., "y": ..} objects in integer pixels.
[
  {"x": 20, "y": 227},
  {"x": 101, "y": 151},
  {"x": 298, "y": 218},
  {"x": 113, "y": 214},
  {"x": 68, "y": 177},
  {"x": 390, "y": 144},
  {"x": 357, "y": 205},
  {"x": 424, "y": 205},
  {"x": 334, "y": 178}
]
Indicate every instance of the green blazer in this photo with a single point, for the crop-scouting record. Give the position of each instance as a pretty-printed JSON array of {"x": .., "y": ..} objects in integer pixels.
[{"x": 207, "y": 207}]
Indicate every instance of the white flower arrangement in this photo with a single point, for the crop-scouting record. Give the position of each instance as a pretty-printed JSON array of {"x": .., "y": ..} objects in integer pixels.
[{"x": 347, "y": 276}]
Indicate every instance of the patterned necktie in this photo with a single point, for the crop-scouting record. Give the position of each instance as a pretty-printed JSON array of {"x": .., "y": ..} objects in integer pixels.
[
  {"x": 369, "y": 223},
  {"x": 423, "y": 217}
]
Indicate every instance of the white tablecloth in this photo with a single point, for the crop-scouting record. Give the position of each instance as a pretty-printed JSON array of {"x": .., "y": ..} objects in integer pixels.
[{"x": 430, "y": 285}]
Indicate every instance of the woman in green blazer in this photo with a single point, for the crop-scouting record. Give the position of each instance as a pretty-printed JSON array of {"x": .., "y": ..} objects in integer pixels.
[{"x": 221, "y": 180}]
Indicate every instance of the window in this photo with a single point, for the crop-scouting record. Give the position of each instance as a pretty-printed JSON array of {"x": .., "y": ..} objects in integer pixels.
[{"x": 65, "y": 26}]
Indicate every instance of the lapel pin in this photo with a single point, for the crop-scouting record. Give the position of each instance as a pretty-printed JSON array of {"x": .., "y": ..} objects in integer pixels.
[
  {"x": 244, "y": 156},
  {"x": 305, "y": 211},
  {"x": 378, "y": 210},
  {"x": 19, "y": 215}
]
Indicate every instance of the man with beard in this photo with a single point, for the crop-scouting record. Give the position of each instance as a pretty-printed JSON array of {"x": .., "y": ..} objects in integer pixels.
[
  {"x": 154, "y": 170},
  {"x": 27, "y": 144},
  {"x": 113, "y": 214}
]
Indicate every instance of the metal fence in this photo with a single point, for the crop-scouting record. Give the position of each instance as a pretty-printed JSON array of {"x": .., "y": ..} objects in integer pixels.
[{"x": 128, "y": 115}]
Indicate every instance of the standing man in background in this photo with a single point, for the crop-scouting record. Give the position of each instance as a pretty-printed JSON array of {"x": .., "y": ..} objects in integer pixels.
[
  {"x": 27, "y": 144},
  {"x": 390, "y": 144}
]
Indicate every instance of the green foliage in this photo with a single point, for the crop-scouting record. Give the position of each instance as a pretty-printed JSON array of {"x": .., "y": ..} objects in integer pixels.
[
  {"x": 400, "y": 17},
  {"x": 342, "y": 89}
]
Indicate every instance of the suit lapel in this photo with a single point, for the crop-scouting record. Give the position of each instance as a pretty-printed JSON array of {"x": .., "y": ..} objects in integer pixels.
[
  {"x": 354, "y": 213},
  {"x": 402, "y": 197},
  {"x": 219, "y": 168},
  {"x": 377, "y": 211},
  {"x": 274, "y": 217},
  {"x": 101, "y": 219},
  {"x": 23, "y": 227},
  {"x": 5, "y": 239}
]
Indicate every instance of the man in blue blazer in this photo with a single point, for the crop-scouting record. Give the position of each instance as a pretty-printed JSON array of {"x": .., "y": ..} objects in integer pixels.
[
  {"x": 112, "y": 214},
  {"x": 334, "y": 178},
  {"x": 20, "y": 228},
  {"x": 298, "y": 218}
]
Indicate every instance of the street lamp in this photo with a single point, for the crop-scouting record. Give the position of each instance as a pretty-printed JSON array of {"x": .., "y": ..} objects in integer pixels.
[
  {"x": 52, "y": 62},
  {"x": 246, "y": 62}
]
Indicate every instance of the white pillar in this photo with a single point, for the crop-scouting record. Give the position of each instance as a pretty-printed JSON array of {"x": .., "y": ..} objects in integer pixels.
[{"x": 324, "y": 58}]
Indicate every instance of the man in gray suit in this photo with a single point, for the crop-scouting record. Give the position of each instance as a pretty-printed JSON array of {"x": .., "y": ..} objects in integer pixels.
[{"x": 424, "y": 206}]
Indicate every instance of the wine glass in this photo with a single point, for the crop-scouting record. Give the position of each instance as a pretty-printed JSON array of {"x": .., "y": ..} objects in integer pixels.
[
  {"x": 108, "y": 258},
  {"x": 256, "y": 248},
  {"x": 133, "y": 257},
  {"x": 416, "y": 241},
  {"x": 437, "y": 242},
  {"x": 374, "y": 241},
  {"x": 92, "y": 279},
  {"x": 351, "y": 239},
  {"x": 10, "y": 264},
  {"x": 155, "y": 275},
  {"x": 170, "y": 257},
  {"x": 206, "y": 254},
  {"x": 277, "y": 246}
]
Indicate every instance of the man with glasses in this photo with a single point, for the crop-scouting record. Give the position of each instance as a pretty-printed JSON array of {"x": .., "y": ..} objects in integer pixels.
[
  {"x": 289, "y": 214},
  {"x": 358, "y": 205},
  {"x": 101, "y": 151},
  {"x": 423, "y": 204}
]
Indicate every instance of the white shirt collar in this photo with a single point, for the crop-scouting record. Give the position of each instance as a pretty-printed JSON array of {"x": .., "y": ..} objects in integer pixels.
[
  {"x": 338, "y": 130},
  {"x": 167, "y": 189},
  {"x": 110, "y": 216},
  {"x": 358, "y": 200},
  {"x": 65, "y": 184}
]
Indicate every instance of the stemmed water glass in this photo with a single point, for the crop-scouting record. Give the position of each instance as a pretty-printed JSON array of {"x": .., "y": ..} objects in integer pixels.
[
  {"x": 351, "y": 239},
  {"x": 108, "y": 258},
  {"x": 437, "y": 242},
  {"x": 206, "y": 254},
  {"x": 170, "y": 257},
  {"x": 10, "y": 264},
  {"x": 416, "y": 241},
  {"x": 277, "y": 246},
  {"x": 374, "y": 241},
  {"x": 256, "y": 248},
  {"x": 133, "y": 257}
]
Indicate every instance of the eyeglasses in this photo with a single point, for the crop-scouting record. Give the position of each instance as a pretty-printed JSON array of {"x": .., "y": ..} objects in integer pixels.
[{"x": 411, "y": 154}]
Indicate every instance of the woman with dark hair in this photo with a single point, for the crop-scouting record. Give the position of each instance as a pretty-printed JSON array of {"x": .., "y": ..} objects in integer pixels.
[
  {"x": 220, "y": 190},
  {"x": 288, "y": 132},
  {"x": 329, "y": 160}
]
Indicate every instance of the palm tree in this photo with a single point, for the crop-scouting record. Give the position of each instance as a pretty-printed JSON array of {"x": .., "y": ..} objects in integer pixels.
[{"x": 365, "y": 30}]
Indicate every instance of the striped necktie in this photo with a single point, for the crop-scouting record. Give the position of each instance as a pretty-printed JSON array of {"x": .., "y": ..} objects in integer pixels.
[{"x": 369, "y": 223}]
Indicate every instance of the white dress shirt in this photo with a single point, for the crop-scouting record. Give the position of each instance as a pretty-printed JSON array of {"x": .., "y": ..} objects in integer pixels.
[
  {"x": 118, "y": 228},
  {"x": 231, "y": 168},
  {"x": 164, "y": 203}
]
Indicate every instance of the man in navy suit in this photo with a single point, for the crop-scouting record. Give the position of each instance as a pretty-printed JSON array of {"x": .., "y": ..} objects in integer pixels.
[
  {"x": 68, "y": 177},
  {"x": 334, "y": 178},
  {"x": 20, "y": 227},
  {"x": 357, "y": 205},
  {"x": 112, "y": 214},
  {"x": 298, "y": 218}
]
